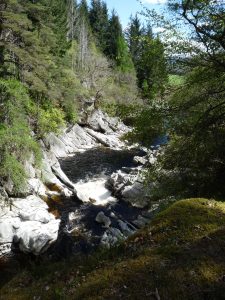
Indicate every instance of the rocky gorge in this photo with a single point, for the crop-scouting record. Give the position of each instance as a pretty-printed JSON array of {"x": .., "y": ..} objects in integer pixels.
[{"x": 89, "y": 187}]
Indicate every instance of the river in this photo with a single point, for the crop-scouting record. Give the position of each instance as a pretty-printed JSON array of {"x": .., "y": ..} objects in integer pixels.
[{"x": 82, "y": 234}]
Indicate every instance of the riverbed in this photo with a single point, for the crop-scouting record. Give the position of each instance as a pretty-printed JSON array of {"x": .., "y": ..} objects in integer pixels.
[{"x": 82, "y": 234}]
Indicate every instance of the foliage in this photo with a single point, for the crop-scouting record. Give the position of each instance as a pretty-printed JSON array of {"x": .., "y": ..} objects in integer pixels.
[
  {"x": 34, "y": 49},
  {"x": 16, "y": 142},
  {"x": 152, "y": 68},
  {"x": 175, "y": 80},
  {"x": 193, "y": 162},
  {"x": 149, "y": 123},
  {"x": 98, "y": 17},
  {"x": 149, "y": 58},
  {"x": 50, "y": 120}
]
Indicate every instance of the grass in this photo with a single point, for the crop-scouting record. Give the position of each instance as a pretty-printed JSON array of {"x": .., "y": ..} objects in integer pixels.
[
  {"x": 181, "y": 255},
  {"x": 175, "y": 80}
]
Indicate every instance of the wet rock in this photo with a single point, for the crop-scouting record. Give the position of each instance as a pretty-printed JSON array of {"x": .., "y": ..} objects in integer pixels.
[
  {"x": 60, "y": 174},
  {"x": 103, "y": 219},
  {"x": 50, "y": 179}
]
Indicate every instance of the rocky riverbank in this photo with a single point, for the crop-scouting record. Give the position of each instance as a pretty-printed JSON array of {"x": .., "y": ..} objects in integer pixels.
[
  {"x": 24, "y": 217},
  {"x": 27, "y": 221}
]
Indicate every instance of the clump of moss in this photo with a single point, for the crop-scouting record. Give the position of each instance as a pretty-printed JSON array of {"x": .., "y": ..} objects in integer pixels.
[{"x": 180, "y": 255}]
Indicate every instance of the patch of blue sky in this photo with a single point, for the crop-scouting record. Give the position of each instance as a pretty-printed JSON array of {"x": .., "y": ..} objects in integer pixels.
[{"x": 126, "y": 8}]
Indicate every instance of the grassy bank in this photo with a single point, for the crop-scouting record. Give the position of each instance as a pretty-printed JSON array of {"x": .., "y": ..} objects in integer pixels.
[{"x": 180, "y": 255}]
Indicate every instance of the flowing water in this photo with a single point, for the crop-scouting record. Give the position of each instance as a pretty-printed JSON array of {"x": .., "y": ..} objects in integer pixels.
[
  {"x": 83, "y": 233},
  {"x": 89, "y": 171}
]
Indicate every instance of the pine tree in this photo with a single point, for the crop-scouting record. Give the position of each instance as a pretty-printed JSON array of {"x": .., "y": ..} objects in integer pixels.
[
  {"x": 98, "y": 17},
  {"x": 147, "y": 54},
  {"x": 114, "y": 34},
  {"x": 133, "y": 36},
  {"x": 83, "y": 9}
]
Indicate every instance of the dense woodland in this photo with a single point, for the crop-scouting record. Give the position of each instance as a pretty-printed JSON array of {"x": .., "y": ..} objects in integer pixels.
[{"x": 56, "y": 54}]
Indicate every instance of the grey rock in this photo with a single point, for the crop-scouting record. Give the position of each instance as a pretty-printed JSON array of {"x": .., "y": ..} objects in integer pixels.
[
  {"x": 3, "y": 195},
  {"x": 141, "y": 221},
  {"x": 140, "y": 160},
  {"x": 111, "y": 237},
  {"x": 103, "y": 219},
  {"x": 55, "y": 145},
  {"x": 27, "y": 222},
  {"x": 126, "y": 230}
]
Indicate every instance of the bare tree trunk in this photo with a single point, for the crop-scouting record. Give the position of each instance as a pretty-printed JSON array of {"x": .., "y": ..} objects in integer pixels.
[{"x": 83, "y": 45}]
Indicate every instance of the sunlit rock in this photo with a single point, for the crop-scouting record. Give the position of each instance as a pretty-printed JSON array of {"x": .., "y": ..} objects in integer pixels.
[{"x": 28, "y": 223}]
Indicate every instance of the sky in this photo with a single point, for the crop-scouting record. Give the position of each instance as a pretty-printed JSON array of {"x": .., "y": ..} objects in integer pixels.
[{"x": 125, "y": 8}]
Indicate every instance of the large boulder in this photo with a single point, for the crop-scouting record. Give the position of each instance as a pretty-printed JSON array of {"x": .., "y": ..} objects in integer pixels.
[
  {"x": 36, "y": 237},
  {"x": 135, "y": 195},
  {"x": 28, "y": 223},
  {"x": 98, "y": 122},
  {"x": 103, "y": 219},
  {"x": 129, "y": 187},
  {"x": 80, "y": 138},
  {"x": 109, "y": 140},
  {"x": 55, "y": 145}
]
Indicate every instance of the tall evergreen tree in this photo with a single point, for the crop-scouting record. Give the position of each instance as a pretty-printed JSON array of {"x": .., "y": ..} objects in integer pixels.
[
  {"x": 83, "y": 8},
  {"x": 98, "y": 17},
  {"x": 148, "y": 56},
  {"x": 114, "y": 34},
  {"x": 133, "y": 36}
]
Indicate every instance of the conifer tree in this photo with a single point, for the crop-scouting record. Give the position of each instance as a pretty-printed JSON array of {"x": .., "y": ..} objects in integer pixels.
[
  {"x": 133, "y": 36},
  {"x": 98, "y": 17},
  {"x": 83, "y": 8},
  {"x": 114, "y": 34}
]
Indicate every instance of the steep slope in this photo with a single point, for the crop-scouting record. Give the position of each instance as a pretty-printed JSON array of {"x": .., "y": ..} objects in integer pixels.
[{"x": 180, "y": 255}]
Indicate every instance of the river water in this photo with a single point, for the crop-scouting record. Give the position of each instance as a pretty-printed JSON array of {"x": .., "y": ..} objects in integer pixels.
[
  {"x": 83, "y": 234},
  {"x": 90, "y": 170}
]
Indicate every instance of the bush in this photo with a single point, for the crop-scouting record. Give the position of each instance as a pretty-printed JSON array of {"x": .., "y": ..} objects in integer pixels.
[
  {"x": 50, "y": 120},
  {"x": 16, "y": 141}
]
